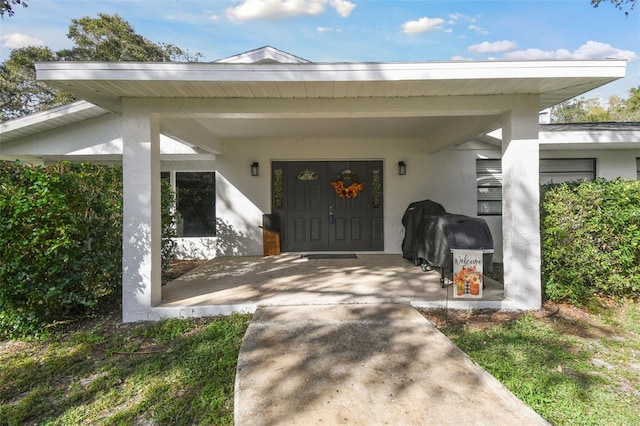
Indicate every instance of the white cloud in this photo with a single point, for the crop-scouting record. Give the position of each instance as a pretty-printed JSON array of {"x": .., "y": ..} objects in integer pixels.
[
  {"x": 596, "y": 50},
  {"x": 422, "y": 25},
  {"x": 533, "y": 54},
  {"x": 284, "y": 9},
  {"x": 343, "y": 7},
  {"x": 18, "y": 40},
  {"x": 214, "y": 17},
  {"x": 460, "y": 16},
  {"x": 589, "y": 50},
  {"x": 478, "y": 29},
  {"x": 328, "y": 29},
  {"x": 493, "y": 47}
]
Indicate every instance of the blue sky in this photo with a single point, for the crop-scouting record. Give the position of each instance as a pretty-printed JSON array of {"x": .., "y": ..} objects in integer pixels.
[{"x": 358, "y": 30}]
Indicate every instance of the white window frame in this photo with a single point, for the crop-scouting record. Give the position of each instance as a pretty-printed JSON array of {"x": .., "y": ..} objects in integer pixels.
[{"x": 172, "y": 175}]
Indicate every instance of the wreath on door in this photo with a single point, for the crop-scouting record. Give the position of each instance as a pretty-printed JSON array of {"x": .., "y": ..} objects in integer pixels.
[{"x": 347, "y": 185}]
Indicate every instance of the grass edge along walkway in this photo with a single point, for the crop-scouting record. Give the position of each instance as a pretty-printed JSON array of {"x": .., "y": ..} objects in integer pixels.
[
  {"x": 572, "y": 367},
  {"x": 177, "y": 371}
]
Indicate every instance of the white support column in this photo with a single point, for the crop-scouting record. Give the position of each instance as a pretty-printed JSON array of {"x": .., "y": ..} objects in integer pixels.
[
  {"x": 141, "y": 250},
  {"x": 521, "y": 206}
]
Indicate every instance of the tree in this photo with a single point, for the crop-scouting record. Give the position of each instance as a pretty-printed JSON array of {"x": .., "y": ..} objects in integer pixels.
[
  {"x": 105, "y": 38},
  {"x": 591, "y": 110},
  {"x": 7, "y": 6},
  {"x": 579, "y": 111},
  {"x": 633, "y": 103},
  {"x": 619, "y": 4},
  {"x": 111, "y": 38},
  {"x": 20, "y": 93},
  {"x": 625, "y": 109}
]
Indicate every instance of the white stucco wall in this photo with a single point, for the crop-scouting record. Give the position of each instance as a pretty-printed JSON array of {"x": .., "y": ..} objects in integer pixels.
[{"x": 447, "y": 177}]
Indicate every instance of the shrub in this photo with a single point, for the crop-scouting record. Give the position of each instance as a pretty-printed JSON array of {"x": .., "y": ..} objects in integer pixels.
[
  {"x": 591, "y": 240},
  {"x": 61, "y": 239},
  {"x": 169, "y": 229}
]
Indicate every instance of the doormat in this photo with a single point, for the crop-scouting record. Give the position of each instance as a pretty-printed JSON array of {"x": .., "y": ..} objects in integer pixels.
[{"x": 330, "y": 256}]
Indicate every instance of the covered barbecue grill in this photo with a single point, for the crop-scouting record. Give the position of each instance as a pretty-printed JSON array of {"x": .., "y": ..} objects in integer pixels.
[{"x": 431, "y": 233}]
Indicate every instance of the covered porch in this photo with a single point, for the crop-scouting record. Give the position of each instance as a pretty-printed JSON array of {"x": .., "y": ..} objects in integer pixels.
[
  {"x": 421, "y": 113},
  {"x": 229, "y": 284}
]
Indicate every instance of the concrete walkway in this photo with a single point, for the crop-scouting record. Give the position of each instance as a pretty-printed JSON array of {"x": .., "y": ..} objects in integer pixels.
[{"x": 363, "y": 364}]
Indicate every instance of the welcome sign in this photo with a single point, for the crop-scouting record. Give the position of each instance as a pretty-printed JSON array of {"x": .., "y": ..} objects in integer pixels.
[{"x": 467, "y": 273}]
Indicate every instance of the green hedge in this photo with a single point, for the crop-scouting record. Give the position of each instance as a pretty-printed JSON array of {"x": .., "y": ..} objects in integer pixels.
[
  {"x": 61, "y": 239},
  {"x": 61, "y": 242},
  {"x": 591, "y": 240}
]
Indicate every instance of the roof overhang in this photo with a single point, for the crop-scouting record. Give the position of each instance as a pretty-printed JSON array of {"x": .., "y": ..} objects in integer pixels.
[
  {"x": 303, "y": 87},
  {"x": 587, "y": 136},
  {"x": 106, "y": 83},
  {"x": 47, "y": 120},
  {"x": 578, "y": 136}
]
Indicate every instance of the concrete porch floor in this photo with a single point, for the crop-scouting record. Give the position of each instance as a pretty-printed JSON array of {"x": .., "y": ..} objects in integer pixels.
[{"x": 289, "y": 279}]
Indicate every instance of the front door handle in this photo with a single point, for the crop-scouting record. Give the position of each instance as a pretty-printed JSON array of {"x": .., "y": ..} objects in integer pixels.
[{"x": 330, "y": 215}]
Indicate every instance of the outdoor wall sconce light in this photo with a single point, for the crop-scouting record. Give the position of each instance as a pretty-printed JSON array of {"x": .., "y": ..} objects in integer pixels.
[
  {"x": 255, "y": 168},
  {"x": 402, "y": 168}
]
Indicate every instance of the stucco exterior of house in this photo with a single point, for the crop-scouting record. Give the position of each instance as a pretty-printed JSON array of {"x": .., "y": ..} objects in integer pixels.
[{"x": 279, "y": 111}]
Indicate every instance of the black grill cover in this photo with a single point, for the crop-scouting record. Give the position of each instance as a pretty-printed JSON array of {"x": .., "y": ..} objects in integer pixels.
[{"x": 431, "y": 234}]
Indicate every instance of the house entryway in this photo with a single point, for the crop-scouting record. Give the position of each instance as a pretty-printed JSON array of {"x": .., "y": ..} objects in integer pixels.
[{"x": 329, "y": 205}]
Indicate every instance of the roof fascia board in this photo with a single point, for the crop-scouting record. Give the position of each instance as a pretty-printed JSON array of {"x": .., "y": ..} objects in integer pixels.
[
  {"x": 589, "y": 136},
  {"x": 575, "y": 137},
  {"x": 47, "y": 115},
  {"x": 121, "y": 71}
]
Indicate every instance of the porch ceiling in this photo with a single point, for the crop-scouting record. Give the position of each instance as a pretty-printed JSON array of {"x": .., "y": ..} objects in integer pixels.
[{"x": 327, "y": 128}]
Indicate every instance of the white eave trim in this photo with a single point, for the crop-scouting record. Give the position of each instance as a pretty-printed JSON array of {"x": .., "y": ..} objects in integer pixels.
[
  {"x": 570, "y": 137},
  {"x": 64, "y": 114},
  {"x": 472, "y": 70}
]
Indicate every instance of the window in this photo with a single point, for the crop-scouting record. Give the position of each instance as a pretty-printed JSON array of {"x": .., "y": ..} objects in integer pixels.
[
  {"x": 196, "y": 204},
  {"x": 560, "y": 170},
  {"x": 552, "y": 170},
  {"x": 489, "y": 183}
]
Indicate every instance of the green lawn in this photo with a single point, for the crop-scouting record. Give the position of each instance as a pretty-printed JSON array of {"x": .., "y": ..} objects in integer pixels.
[
  {"x": 572, "y": 367},
  {"x": 171, "y": 372}
]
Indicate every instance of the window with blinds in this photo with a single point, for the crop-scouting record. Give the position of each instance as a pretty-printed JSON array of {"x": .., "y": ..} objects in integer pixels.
[
  {"x": 552, "y": 170},
  {"x": 489, "y": 183},
  {"x": 561, "y": 170}
]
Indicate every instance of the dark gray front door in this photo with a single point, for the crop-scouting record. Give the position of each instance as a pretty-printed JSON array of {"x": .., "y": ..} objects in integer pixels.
[{"x": 315, "y": 217}]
